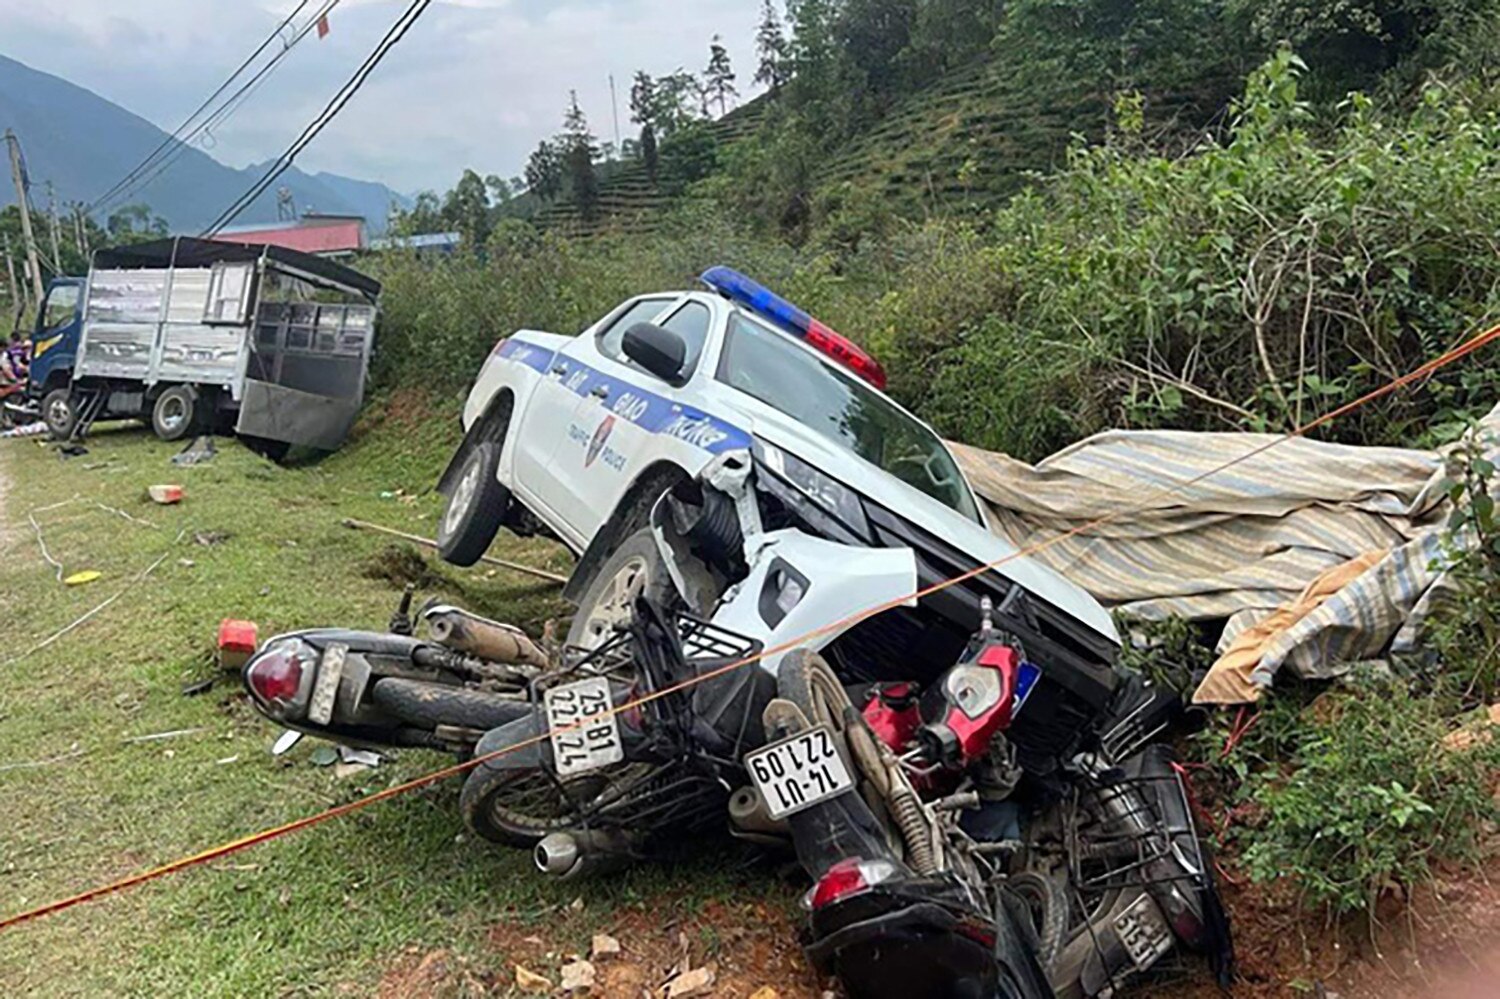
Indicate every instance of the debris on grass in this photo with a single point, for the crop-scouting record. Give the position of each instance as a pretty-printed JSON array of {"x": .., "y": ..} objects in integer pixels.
[
  {"x": 603, "y": 945},
  {"x": 324, "y": 756},
  {"x": 529, "y": 981},
  {"x": 165, "y": 494},
  {"x": 82, "y": 577},
  {"x": 577, "y": 976},
  {"x": 199, "y": 452},
  {"x": 694, "y": 982},
  {"x": 159, "y": 736},
  {"x": 285, "y": 741}
]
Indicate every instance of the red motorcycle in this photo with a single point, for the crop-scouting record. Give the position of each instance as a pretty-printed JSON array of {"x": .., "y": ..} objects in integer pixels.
[{"x": 957, "y": 852}]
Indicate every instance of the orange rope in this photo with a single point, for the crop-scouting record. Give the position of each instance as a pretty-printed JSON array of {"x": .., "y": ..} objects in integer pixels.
[{"x": 1462, "y": 350}]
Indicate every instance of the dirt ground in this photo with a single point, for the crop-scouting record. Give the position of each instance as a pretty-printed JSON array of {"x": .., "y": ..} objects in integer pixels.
[
  {"x": 1446, "y": 946},
  {"x": 748, "y": 950}
]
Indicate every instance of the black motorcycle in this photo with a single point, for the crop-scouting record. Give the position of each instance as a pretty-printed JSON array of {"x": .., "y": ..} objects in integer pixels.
[
  {"x": 944, "y": 866},
  {"x": 585, "y": 784},
  {"x": 371, "y": 689}
]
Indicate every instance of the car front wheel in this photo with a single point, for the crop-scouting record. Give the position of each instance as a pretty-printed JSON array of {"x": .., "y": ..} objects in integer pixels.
[
  {"x": 475, "y": 507},
  {"x": 635, "y": 569}
]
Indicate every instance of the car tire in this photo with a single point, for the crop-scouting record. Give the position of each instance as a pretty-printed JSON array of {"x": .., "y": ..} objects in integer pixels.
[
  {"x": 475, "y": 508},
  {"x": 634, "y": 569},
  {"x": 176, "y": 413},
  {"x": 429, "y": 705},
  {"x": 60, "y": 412}
]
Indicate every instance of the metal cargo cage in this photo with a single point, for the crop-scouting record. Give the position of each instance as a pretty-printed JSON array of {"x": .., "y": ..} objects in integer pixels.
[{"x": 283, "y": 337}]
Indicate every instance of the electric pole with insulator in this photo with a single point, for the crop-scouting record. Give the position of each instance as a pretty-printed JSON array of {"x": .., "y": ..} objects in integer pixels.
[{"x": 26, "y": 234}]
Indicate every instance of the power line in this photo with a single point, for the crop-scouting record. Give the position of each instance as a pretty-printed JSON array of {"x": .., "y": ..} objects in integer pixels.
[
  {"x": 176, "y": 133},
  {"x": 330, "y": 110},
  {"x": 234, "y": 102}
]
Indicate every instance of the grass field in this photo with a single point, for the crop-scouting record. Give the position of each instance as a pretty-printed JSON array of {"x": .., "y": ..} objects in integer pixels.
[{"x": 324, "y": 910}]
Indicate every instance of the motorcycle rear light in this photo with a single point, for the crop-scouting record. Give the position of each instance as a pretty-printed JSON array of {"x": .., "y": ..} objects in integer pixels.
[
  {"x": 846, "y": 878},
  {"x": 276, "y": 675}
]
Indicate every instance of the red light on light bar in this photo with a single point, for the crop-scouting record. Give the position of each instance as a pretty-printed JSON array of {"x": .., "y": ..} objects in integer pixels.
[{"x": 846, "y": 352}]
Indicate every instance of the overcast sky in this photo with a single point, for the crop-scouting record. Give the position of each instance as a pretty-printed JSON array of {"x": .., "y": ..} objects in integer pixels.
[{"x": 475, "y": 83}]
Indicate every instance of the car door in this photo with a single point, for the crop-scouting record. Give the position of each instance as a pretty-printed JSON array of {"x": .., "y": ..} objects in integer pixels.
[
  {"x": 610, "y": 436},
  {"x": 547, "y": 427}
]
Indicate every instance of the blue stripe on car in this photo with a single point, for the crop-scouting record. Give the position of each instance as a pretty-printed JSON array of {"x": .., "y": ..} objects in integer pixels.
[{"x": 653, "y": 413}]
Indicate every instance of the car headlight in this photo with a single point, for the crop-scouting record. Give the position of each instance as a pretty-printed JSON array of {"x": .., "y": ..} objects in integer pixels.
[{"x": 831, "y": 495}]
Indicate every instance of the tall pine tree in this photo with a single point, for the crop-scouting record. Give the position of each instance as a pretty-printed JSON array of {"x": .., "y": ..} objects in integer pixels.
[
  {"x": 718, "y": 78},
  {"x": 578, "y": 143},
  {"x": 771, "y": 48}
]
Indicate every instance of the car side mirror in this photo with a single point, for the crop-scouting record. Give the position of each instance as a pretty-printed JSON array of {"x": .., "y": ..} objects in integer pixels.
[{"x": 658, "y": 350}]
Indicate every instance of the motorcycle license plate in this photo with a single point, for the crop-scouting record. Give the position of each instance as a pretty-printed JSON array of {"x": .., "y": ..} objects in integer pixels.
[
  {"x": 579, "y": 744},
  {"x": 1144, "y": 932},
  {"x": 799, "y": 772}
]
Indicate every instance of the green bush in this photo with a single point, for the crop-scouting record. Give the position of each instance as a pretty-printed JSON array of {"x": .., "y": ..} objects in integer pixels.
[
  {"x": 1249, "y": 285},
  {"x": 1357, "y": 794}
]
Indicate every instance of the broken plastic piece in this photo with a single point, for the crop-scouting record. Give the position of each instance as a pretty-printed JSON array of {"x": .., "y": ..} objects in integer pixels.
[{"x": 237, "y": 640}]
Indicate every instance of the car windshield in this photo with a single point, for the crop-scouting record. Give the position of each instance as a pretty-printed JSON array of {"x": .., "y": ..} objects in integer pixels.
[{"x": 824, "y": 397}]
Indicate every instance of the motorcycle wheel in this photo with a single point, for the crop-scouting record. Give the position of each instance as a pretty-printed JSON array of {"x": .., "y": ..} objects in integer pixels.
[
  {"x": 806, "y": 679},
  {"x": 519, "y": 807},
  {"x": 1045, "y": 903},
  {"x": 429, "y": 705}
]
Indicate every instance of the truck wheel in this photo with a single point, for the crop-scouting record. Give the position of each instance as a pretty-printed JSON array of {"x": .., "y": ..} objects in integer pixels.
[
  {"x": 633, "y": 570},
  {"x": 60, "y": 411},
  {"x": 475, "y": 508},
  {"x": 176, "y": 413}
]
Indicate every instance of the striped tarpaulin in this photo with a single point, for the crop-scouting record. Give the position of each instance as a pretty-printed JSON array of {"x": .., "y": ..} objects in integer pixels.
[{"x": 1241, "y": 542}]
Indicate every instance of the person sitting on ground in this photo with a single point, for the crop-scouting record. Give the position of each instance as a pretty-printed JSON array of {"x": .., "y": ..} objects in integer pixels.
[{"x": 14, "y": 360}]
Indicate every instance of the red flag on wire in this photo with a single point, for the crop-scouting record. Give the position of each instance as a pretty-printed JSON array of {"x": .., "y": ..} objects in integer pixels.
[{"x": 323, "y": 26}]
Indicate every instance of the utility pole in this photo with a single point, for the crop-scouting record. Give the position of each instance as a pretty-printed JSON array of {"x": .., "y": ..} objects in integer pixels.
[
  {"x": 18, "y": 292},
  {"x": 26, "y": 234},
  {"x": 52, "y": 213},
  {"x": 81, "y": 224},
  {"x": 614, "y": 107}
]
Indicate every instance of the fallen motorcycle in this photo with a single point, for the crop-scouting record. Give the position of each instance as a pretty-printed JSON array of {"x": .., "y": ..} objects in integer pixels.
[
  {"x": 586, "y": 786},
  {"x": 942, "y": 866},
  {"x": 371, "y": 689}
]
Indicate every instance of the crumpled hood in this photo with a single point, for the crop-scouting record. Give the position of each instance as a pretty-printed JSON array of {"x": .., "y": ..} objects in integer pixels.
[{"x": 928, "y": 514}]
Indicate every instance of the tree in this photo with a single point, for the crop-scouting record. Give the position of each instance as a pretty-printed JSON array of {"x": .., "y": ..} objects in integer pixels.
[
  {"x": 677, "y": 96},
  {"x": 718, "y": 78},
  {"x": 134, "y": 224},
  {"x": 645, "y": 108},
  {"x": 771, "y": 47},
  {"x": 466, "y": 208},
  {"x": 649, "y": 154},
  {"x": 579, "y": 152},
  {"x": 499, "y": 188},
  {"x": 544, "y": 170}
]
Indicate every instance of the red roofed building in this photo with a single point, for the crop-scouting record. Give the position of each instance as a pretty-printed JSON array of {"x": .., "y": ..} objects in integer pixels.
[{"x": 324, "y": 235}]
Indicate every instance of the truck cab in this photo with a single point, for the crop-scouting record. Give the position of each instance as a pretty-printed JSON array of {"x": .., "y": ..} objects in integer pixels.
[{"x": 55, "y": 338}]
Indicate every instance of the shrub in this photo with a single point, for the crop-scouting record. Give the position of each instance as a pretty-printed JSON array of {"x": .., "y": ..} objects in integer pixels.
[{"x": 1359, "y": 795}]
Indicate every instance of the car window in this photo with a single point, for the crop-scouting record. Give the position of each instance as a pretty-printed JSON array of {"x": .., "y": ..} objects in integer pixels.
[
  {"x": 641, "y": 312},
  {"x": 691, "y": 323},
  {"x": 829, "y": 400},
  {"x": 61, "y": 304}
]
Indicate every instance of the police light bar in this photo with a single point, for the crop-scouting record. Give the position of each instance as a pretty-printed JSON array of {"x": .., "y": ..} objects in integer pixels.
[{"x": 764, "y": 302}]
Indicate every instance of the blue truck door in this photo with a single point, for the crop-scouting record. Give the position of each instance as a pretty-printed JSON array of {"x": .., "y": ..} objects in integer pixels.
[{"x": 54, "y": 344}]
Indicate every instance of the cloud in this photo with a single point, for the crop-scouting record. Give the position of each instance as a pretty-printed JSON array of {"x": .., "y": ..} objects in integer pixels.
[{"x": 475, "y": 83}]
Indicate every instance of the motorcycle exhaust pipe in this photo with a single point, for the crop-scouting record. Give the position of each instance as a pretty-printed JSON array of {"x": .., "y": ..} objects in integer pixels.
[{"x": 567, "y": 855}]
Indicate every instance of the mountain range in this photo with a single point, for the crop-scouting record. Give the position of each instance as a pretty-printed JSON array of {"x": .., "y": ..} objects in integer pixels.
[{"x": 83, "y": 144}]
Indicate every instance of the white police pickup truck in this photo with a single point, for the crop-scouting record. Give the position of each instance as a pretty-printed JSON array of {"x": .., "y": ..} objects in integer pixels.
[{"x": 725, "y": 444}]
